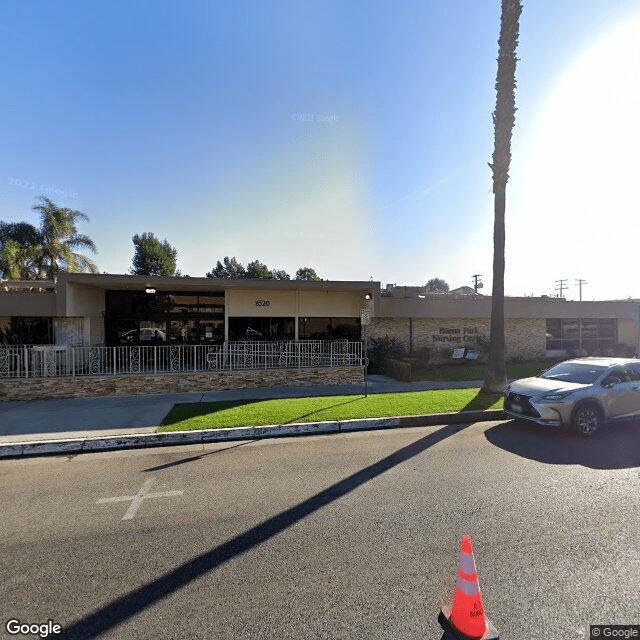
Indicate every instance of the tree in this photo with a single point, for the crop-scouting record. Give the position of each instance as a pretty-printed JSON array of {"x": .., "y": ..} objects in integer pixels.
[
  {"x": 30, "y": 253},
  {"x": 258, "y": 271},
  {"x": 230, "y": 269},
  {"x": 307, "y": 273},
  {"x": 152, "y": 257},
  {"x": 19, "y": 242},
  {"x": 437, "y": 285},
  {"x": 503, "y": 121}
]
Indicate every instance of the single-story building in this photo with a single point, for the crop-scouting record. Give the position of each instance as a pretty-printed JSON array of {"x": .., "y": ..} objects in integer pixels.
[
  {"x": 115, "y": 310},
  {"x": 123, "y": 310},
  {"x": 121, "y": 324}
]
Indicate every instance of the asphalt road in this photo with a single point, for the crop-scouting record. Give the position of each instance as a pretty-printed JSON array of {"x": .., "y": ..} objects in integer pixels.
[{"x": 337, "y": 536}]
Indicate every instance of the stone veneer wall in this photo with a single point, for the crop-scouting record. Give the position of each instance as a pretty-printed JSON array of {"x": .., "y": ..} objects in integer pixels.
[
  {"x": 78, "y": 387},
  {"x": 524, "y": 337}
]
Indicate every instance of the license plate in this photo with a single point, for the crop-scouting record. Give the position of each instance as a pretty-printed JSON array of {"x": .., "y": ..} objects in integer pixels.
[{"x": 515, "y": 407}]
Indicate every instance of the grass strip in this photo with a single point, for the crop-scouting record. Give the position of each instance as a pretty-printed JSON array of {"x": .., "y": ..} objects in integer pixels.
[
  {"x": 470, "y": 371},
  {"x": 242, "y": 413}
]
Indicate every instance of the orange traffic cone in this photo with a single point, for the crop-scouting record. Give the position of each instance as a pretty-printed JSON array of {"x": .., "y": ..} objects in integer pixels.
[{"x": 465, "y": 620}]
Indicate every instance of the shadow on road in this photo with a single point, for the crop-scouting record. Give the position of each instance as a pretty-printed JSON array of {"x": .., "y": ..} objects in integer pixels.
[
  {"x": 615, "y": 446},
  {"x": 160, "y": 467},
  {"x": 134, "y": 602}
]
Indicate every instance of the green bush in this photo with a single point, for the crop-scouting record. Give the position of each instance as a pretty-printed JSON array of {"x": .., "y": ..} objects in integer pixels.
[
  {"x": 422, "y": 356},
  {"x": 399, "y": 369},
  {"x": 382, "y": 350}
]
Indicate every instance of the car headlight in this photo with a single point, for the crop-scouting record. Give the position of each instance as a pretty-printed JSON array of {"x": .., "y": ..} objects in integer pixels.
[{"x": 555, "y": 396}]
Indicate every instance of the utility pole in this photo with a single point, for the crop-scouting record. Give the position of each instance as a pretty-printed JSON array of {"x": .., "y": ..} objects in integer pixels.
[
  {"x": 580, "y": 282},
  {"x": 561, "y": 286},
  {"x": 476, "y": 284}
]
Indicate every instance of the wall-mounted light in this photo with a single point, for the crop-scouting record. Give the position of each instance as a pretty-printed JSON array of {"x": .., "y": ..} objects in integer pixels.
[
  {"x": 367, "y": 296},
  {"x": 150, "y": 290}
]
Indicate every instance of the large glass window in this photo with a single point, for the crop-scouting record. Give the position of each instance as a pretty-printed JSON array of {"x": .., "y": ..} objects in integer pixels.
[
  {"x": 173, "y": 317},
  {"x": 598, "y": 336},
  {"x": 329, "y": 328},
  {"x": 261, "y": 329}
]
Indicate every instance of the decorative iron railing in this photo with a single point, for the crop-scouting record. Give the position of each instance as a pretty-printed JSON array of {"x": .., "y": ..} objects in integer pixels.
[{"x": 43, "y": 361}]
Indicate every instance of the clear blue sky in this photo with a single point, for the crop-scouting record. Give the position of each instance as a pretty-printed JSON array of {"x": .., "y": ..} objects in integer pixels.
[{"x": 349, "y": 136}]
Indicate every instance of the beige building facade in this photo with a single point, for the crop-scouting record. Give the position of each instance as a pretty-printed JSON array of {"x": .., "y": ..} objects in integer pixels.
[{"x": 115, "y": 310}]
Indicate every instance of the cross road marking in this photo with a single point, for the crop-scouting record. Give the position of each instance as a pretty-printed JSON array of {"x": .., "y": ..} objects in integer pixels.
[{"x": 136, "y": 500}]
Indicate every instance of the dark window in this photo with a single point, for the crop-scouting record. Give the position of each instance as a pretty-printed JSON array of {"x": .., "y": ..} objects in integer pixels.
[
  {"x": 261, "y": 328},
  {"x": 329, "y": 329},
  {"x": 617, "y": 376},
  {"x": 173, "y": 317},
  {"x": 597, "y": 335},
  {"x": 314, "y": 328},
  {"x": 634, "y": 371}
]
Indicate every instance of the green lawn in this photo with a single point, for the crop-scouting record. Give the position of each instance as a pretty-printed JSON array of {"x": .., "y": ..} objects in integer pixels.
[
  {"x": 468, "y": 371},
  {"x": 241, "y": 413}
]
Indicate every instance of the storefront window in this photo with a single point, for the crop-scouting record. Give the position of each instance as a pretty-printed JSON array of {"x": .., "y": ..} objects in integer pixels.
[
  {"x": 598, "y": 336},
  {"x": 329, "y": 329},
  {"x": 173, "y": 317},
  {"x": 261, "y": 328}
]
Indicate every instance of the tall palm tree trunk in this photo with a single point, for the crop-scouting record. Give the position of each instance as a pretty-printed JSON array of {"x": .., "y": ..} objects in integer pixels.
[{"x": 503, "y": 121}]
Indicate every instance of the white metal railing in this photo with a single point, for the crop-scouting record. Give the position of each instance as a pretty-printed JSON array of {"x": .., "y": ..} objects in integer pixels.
[{"x": 51, "y": 361}]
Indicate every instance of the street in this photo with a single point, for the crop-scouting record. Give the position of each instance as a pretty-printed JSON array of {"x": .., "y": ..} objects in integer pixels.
[{"x": 352, "y": 535}]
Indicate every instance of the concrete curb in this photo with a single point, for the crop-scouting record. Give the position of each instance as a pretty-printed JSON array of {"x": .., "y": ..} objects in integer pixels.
[{"x": 144, "y": 440}]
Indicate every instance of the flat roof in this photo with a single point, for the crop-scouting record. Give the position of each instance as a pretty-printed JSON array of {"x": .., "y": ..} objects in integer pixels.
[{"x": 123, "y": 281}]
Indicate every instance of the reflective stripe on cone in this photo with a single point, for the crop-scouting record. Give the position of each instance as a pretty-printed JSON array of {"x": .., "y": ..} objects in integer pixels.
[{"x": 466, "y": 619}]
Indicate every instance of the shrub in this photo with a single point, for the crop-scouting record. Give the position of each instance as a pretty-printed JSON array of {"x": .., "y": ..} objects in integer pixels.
[
  {"x": 382, "y": 350},
  {"x": 399, "y": 369},
  {"x": 422, "y": 357}
]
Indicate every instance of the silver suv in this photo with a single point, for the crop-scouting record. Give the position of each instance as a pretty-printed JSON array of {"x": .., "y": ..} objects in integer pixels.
[{"x": 582, "y": 393}]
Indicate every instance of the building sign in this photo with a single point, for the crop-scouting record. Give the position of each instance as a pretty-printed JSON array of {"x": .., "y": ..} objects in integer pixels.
[
  {"x": 365, "y": 317},
  {"x": 456, "y": 335},
  {"x": 263, "y": 303}
]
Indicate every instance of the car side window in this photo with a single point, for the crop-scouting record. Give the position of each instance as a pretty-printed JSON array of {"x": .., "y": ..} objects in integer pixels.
[
  {"x": 617, "y": 376},
  {"x": 634, "y": 371}
]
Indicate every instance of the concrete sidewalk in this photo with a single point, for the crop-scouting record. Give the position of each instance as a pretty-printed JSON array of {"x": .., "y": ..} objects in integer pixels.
[{"x": 122, "y": 416}]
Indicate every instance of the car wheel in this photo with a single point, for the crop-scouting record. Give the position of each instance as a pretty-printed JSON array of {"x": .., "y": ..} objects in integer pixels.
[{"x": 586, "y": 419}]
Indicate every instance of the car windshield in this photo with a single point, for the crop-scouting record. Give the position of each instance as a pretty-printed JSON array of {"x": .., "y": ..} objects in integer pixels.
[{"x": 581, "y": 373}]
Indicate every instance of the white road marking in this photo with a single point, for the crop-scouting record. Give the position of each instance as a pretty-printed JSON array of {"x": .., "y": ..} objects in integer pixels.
[{"x": 136, "y": 500}]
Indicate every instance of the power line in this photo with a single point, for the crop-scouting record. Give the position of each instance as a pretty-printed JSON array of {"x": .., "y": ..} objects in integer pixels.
[
  {"x": 561, "y": 286},
  {"x": 580, "y": 282}
]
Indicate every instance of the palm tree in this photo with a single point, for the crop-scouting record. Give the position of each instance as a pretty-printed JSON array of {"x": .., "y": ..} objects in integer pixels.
[
  {"x": 18, "y": 250},
  {"x": 503, "y": 120},
  {"x": 59, "y": 238}
]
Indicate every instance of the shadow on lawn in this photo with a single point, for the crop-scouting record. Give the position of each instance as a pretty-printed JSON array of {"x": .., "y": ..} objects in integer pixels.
[
  {"x": 306, "y": 415},
  {"x": 481, "y": 402},
  {"x": 184, "y": 411}
]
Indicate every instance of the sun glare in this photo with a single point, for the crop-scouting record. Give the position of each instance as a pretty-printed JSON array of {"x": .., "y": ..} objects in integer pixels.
[{"x": 579, "y": 197}]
